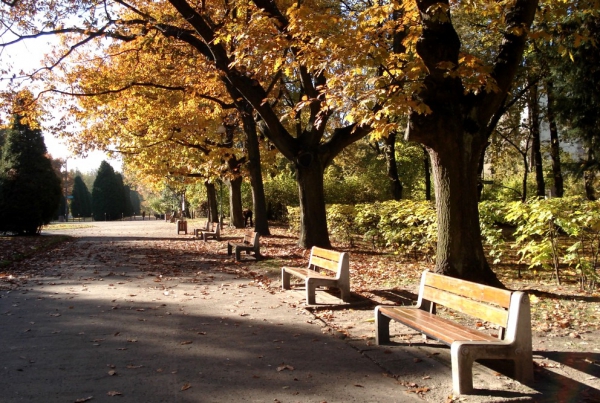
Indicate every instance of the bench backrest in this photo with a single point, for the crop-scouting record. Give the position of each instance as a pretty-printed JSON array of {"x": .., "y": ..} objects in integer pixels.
[
  {"x": 213, "y": 227},
  {"x": 337, "y": 262},
  {"x": 251, "y": 238},
  {"x": 490, "y": 304}
]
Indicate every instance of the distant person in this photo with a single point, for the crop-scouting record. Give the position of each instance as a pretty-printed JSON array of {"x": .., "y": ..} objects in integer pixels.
[
  {"x": 247, "y": 214},
  {"x": 143, "y": 215}
]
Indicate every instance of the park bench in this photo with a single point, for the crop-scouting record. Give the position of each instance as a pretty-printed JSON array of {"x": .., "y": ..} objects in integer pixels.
[
  {"x": 213, "y": 231},
  {"x": 250, "y": 243},
  {"x": 198, "y": 231},
  {"x": 507, "y": 309},
  {"x": 181, "y": 226},
  {"x": 326, "y": 268}
]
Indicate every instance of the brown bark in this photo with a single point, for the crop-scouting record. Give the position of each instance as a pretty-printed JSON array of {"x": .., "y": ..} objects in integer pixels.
[
  {"x": 313, "y": 216},
  {"x": 236, "y": 218},
  {"x": 536, "y": 152},
  {"x": 427, "y": 169},
  {"x": 213, "y": 212},
  {"x": 392, "y": 167},
  {"x": 554, "y": 143},
  {"x": 261, "y": 225}
]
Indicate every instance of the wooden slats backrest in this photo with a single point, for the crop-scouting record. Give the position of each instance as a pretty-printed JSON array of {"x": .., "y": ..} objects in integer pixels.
[
  {"x": 477, "y": 309},
  {"x": 468, "y": 298},
  {"x": 324, "y": 258},
  {"x": 249, "y": 238},
  {"x": 469, "y": 289}
]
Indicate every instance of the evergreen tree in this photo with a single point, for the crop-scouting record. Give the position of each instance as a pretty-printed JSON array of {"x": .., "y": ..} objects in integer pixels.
[
  {"x": 106, "y": 194},
  {"x": 81, "y": 205},
  {"x": 30, "y": 190},
  {"x": 136, "y": 203},
  {"x": 125, "y": 202}
]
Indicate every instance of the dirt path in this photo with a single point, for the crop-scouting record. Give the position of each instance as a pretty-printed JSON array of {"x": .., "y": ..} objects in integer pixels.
[{"x": 132, "y": 311}]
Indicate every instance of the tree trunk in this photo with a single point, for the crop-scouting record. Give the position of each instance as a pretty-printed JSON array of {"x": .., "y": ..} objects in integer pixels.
[
  {"x": 455, "y": 172},
  {"x": 588, "y": 176},
  {"x": 259, "y": 204},
  {"x": 554, "y": 143},
  {"x": 392, "y": 167},
  {"x": 213, "y": 212},
  {"x": 525, "y": 175},
  {"x": 313, "y": 216},
  {"x": 427, "y": 170},
  {"x": 536, "y": 153},
  {"x": 236, "y": 218}
]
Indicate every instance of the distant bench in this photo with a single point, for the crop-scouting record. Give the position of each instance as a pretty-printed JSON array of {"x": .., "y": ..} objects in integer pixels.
[
  {"x": 250, "y": 243},
  {"x": 335, "y": 263},
  {"x": 507, "y": 309},
  {"x": 211, "y": 230}
]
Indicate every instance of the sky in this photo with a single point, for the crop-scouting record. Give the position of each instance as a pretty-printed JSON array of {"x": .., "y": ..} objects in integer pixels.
[{"x": 27, "y": 56}]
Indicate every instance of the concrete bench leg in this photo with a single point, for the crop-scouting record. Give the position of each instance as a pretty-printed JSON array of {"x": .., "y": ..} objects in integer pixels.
[
  {"x": 237, "y": 255},
  {"x": 285, "y": 279},
  {"x": 345, "y": 294},
  {"x": 462, "y": 369},
  {"x": 229, "y": 247},
  {"x": 311, "y": 289},
  {"x": 382, "y": 328}
]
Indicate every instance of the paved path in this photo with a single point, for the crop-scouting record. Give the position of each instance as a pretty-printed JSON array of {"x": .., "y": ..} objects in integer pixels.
[
  {"x": 130, "y": 312},
  {"x": 98, "y": 320}
]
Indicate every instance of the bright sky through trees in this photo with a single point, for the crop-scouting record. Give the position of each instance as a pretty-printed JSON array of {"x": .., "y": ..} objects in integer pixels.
[{"x": 27, "y": 55}]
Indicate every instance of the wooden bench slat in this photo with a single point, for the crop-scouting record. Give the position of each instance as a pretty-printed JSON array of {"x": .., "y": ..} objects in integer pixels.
[
  {"x": 325, "y": 253},
  {"x": 324, "y": 263},
  {"x": 435, "y": 327},
  {"x": 469, "y": 289},
  {"x": 302, "y": 272},
  {"x": 477, "y": 309}
]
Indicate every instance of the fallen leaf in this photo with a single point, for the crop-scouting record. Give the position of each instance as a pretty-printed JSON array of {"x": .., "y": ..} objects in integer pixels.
[
  {"x": 186, "y": 342},
  {"x": 84, "y": 399},
  {"x": 114, "y": 393},
  {"x": 112, "y": 372},
  {"x": 186, "y": 386},
  {"x": 284, "y": 367}
]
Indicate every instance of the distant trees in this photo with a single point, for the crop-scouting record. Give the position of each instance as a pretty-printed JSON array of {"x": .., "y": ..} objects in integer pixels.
[
  {"x": 30, "y": 190},
  {"x": 81, "y": 204},
  {"x": 110, "y": 198}
]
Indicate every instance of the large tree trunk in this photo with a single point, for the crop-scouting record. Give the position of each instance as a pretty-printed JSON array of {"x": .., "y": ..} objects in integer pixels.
[
  {"x": 259, "y": 204},
  {"x": 313, "y": 216},
  {"x": 392, "y": 167},
  {"x": 236, "y": 218},
  {"x": 536, "y": 152},
  {"x": 554, "y": 144},
  {"x": 213, "y": 211},
  {"x": 455, "y": 172}
]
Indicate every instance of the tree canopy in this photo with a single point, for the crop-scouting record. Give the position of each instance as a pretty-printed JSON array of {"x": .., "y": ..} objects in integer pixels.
[{"x": 157, "y": 79}]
